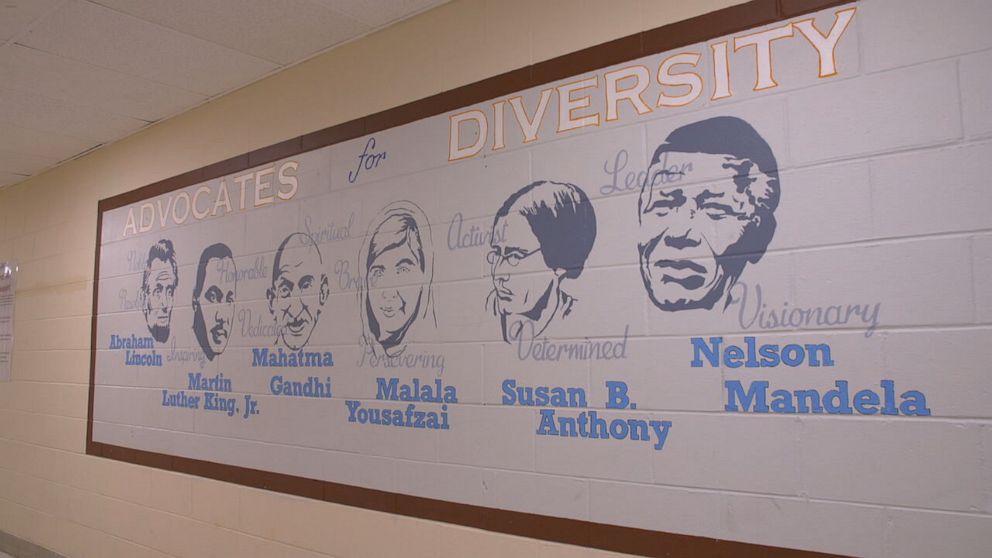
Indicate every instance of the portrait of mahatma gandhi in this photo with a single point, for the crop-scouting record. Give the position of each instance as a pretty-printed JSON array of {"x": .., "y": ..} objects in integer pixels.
[
  {"x": 299, "y": 290},
  {"x": 158, "y": 289},
  {"x": 548, "y": 232},
  {"x": 213, "y": 299},
  {"x": 396, "y": 296},
  {"x": 706, "y": 210}
]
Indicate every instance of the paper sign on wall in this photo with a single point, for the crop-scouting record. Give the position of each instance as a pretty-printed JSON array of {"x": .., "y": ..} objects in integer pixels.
[{"x": 8, "y": 276}]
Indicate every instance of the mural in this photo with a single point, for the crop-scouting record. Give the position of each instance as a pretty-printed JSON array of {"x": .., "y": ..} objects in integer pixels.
[{"x": 561, "y": 301}]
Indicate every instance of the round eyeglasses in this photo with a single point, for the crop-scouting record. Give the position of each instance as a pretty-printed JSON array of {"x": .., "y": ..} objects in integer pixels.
[{"x": 513, "y": 259}]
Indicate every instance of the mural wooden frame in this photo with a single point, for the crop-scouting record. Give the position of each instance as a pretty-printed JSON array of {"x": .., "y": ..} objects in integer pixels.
[{"x": 614, "y": 538}]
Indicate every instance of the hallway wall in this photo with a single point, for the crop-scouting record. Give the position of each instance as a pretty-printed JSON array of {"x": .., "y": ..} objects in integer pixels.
[{"x": 54, "y": 495}]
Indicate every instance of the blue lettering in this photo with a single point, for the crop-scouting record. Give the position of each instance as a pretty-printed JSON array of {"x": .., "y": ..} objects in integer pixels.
[
  {"x": 732, "y": 357},
  {"x": 617, "y": 395},
  {"x": 754, "y": 398},
  {"x": 699, "y": 347},
  {"x": 509, "y": 396},
  {"x": 866, "y": 402}
]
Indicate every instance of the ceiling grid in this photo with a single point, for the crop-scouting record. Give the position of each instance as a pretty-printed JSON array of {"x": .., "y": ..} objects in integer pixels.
[{"x": 78, "y": 74}]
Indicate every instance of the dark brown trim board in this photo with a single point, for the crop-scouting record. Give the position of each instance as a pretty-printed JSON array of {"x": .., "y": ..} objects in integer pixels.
[
  {"x": 594, "y": 535},
  {"x": 568, "y": 531}
]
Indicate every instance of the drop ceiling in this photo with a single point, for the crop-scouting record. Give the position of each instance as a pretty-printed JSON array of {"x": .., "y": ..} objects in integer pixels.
[{"x": 79, "y": 74}]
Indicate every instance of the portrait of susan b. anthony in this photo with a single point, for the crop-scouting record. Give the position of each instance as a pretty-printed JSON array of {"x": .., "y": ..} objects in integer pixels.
[
  {"x": 396, "y": 295},
  {"x": 706, "y": 210},
  {"x": 548, "y": 230}
]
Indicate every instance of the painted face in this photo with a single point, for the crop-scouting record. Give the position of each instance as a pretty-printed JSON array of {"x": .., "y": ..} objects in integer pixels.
[
  {"x": 160, "y": 294},
  {"x": 396, "y": 284},
  {"x": 296, "y": 295},
  {"x": 216, "y": 304},
  {"x": 692, "y": 218},
  {"x": 520, "y": 276}
]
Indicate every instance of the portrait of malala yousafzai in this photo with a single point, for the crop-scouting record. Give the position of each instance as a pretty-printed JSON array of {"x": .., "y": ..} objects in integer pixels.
[{"x": 396, "y": 297}]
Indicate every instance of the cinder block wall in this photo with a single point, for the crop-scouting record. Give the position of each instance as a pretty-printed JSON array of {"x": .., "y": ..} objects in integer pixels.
[
  {"x": 925, "y": 74},
  {"x": 54, "y": 495}
]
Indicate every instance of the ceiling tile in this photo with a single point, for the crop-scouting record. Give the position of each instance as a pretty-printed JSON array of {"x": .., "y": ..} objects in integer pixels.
[
  {"x": 34, "y": 142},
  {"x": 380, "y": 12},
  {"x": 16, "y": 15},
  {"x": 75, "y": 74},
  {"x": 103, "y": 37},
  {"x": 36, "y": 112},
  {"x": 19, "y": 163},
  {"x": 281, "y": 31},
  {"x": 79, "y": 83}
]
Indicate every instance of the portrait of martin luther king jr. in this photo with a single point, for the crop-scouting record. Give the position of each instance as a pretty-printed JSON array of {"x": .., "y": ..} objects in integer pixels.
[{"x": 213, "y": 299}]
